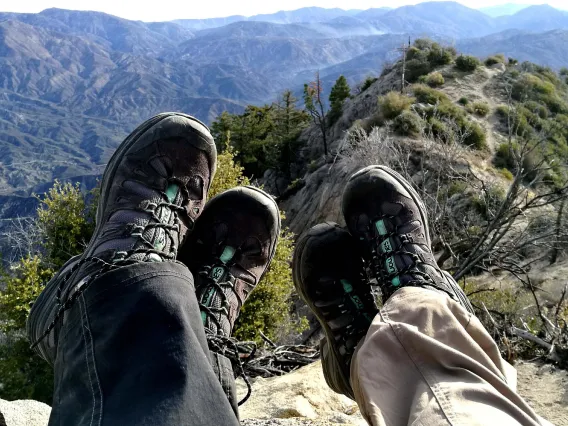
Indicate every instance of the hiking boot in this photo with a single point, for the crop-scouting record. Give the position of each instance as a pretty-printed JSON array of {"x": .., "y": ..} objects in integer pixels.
[
  {"x": 153, "y": 189},
  {"x": 229, "y": 252},
  {"x": 329, "y": 275},
  {"x": 385, "y": 213}
]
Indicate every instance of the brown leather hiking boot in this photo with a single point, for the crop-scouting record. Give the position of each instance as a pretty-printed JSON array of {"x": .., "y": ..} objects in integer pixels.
[
  {"x": 153, "y": 189},
  {"x": 232, "y": 246},
  {"x": 329, "y": 275},
  {"x": 385, "y": 213}
]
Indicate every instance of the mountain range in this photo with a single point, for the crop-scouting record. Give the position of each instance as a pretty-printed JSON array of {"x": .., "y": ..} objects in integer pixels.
[{"x": 73, "y": 84}]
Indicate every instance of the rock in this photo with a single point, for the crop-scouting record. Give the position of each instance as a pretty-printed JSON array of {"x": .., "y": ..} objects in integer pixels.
[
  {"x": 24, "y": 413},
  {"x": 301, "y": 397}
]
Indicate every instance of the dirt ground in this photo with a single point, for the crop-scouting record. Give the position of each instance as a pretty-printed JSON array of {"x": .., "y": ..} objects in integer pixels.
[{"x": 545, "y": 388}]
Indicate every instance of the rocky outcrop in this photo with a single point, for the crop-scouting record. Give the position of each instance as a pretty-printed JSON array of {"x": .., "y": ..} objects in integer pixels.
[
  {"x": 24, "y": 413},
  {"x": 298, "y": 398},
  {"x": 302, "y": 398}
]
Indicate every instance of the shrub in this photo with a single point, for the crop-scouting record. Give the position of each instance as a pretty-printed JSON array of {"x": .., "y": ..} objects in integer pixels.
[
  {"x": 440, "y": 56},
  {"x": 425, "y": 56},
  {"x": 367, "y": 83},
  {"x": 536, "y": 108},
  {"x": 434, "y": 79},
  {"x": 393, "y": 104},
  {"x": 505, "y": 157},
  {"x": 480, "y": 108},
  {"x": 463, "y": 101},
  {"x": 408, "y": 124},
  {"x": 439, "y": 129},
  {"x": 467, "y": 63},
  {"x": 416, "y": 68},
  {"x": 476, "y": 135},
  {"x": 563, "y": 72},
  {"x": 502, "y": 111},
  {"x": 427, "y": 95},
  {"x": 530, "y": 86},
  {"x": 412, "y": 53},
  {"x": 555, "y": 104},
  {"x": 497, "y": 59},
  {"x": 506, "y": 173}
]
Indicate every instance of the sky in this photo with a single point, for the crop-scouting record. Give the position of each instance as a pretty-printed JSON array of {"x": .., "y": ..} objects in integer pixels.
[{"x": 165, "y": 10}]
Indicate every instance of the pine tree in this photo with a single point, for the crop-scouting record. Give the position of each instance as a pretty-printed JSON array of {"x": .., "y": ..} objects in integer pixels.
[
  {"x": 339, "y": 92},
  {"x": 289, "y": 123}
]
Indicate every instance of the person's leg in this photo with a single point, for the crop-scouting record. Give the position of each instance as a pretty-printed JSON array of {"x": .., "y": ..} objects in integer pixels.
[
  {"x": 426, "y": 360},
  {"x": 132, "y": 351},
  {"x": 230, "y": 250},
  {"x": 121, "y": 323}
]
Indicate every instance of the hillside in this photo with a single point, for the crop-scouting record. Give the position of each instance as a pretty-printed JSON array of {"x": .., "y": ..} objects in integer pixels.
[{"x": 73, "y": 84}]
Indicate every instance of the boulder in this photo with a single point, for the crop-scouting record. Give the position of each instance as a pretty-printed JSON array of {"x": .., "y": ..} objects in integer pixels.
[
  {"x": 24, "y": 413},
  {"x": 298, "y": 398}
]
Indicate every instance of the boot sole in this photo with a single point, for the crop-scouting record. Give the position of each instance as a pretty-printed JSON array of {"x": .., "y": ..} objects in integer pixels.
[{"x": 315, "y": 233}]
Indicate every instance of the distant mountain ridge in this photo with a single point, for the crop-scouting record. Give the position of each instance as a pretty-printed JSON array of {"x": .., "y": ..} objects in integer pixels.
[
  {"x": 503, "y": 9},
  {"x": 73, "y": 84}
]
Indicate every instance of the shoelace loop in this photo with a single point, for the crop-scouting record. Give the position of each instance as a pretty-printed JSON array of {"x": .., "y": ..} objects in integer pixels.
[
  {"x": 379, "y": 258},
  {"x": 219, "y": 286},
  {"x": 229, "y": 348}
]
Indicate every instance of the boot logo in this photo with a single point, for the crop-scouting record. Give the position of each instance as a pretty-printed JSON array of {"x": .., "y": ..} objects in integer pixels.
[{"x": 217, "y": 273}]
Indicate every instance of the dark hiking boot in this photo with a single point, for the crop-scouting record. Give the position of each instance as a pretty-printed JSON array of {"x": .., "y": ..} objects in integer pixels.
[
  {"x": 329, "y": 275},
  {"x": 153, "y": 189},
  {"x": 385, "y": 213},
  {"x": 229, "y": 252}
]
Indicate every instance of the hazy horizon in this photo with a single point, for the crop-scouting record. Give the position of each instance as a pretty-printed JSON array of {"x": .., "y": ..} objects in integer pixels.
[{"x": 170, "y": 10}]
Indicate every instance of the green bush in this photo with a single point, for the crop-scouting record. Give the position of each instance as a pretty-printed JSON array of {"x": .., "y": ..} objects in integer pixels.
[
  {"x": 439, "y": 129},
  {"x": 506, "y": 173},
  {"x": 555, "y": 104},
  {"x": 412, "y": 53},
  {"x": 497, "y": 59},
  {"x": 463, "y": 101},
  {"x": 393, "y": 104},
  {"x": 416, "y": 68},
  {"x": 502, "y": 111},
  {"x": 440, "y": 56},
  {"x": 340, "y": 92},
  {"x": 536, "y": 108},
  {"x": 506, "y": 157},
  {"x": 367, "y": 83},
  {"x": 467, "y": 63},
  {"x": 480, "y": 108},
  {"x": 428, "y": 95},
  {"x": 530, "y": 86},
  {"x": 408, "y": 124},
  {"x": 434, "y": 79},
  {"x": 476, "y": 136},
  {"x": 425, "y": 56}
]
